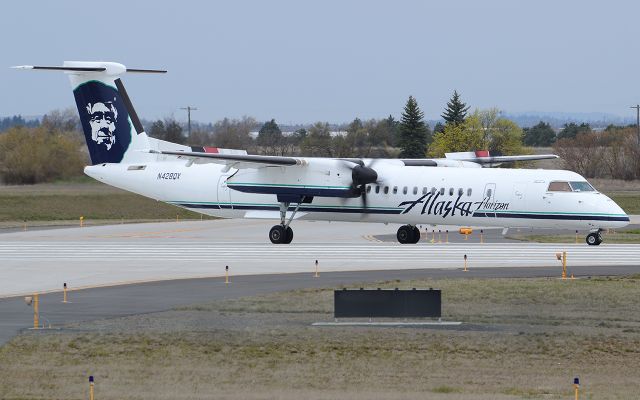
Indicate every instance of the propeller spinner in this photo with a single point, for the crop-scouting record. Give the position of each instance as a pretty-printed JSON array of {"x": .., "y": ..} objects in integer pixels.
[{"x": 361, "y": 176}]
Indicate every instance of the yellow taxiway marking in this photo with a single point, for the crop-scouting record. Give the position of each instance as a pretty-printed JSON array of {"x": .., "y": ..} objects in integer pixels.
[{"x": 372, "y": 238}]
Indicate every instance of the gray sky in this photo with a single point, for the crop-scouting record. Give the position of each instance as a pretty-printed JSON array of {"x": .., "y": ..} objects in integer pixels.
[{"x": 303, "y": 61}]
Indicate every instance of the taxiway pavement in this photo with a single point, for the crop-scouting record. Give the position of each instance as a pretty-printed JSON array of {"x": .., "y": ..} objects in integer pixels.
[{"x": 41, "y": 261}]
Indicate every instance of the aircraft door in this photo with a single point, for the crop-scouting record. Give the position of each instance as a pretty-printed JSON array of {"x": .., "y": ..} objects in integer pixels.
[
  {"x": 489, "y": 197},
  {"x": 224, "y": 193},
  {"x": 518, "y": 197}
]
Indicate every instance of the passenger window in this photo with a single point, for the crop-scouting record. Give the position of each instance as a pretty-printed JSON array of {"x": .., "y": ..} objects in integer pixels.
[
  {"x": 433, "y": 190},
  {"x": 450, "y": 191},
  {"x": 441, "y": 191},
  {"x": 469, "y": 192},
  {"x": 368, "y": 189},
  {"x": 559, "y": 187},
  {"x": 395, "y": 190},
  {"x": 415, "y": 190},
  {"x": 386, "y": 190},
  {"x": 377, "y": 189},
  {"x": 404, "y": 190},
  {"x": 460, "y": 192},
  {"x": 489, "y": 192},
  {"x": 425, "y": 190}
]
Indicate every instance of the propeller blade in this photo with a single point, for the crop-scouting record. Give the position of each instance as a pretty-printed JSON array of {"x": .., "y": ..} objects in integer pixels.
[{"x": 364, "y": 198}]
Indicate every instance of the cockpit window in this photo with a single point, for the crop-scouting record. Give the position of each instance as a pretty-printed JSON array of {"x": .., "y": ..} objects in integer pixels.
[
  {"x": 559, "y": 187},
  {"x": 582, "y": 187}
]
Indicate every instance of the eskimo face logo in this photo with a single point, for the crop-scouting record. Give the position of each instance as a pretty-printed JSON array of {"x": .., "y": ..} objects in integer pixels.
[
  {"x": 105, "y": 121},
  {"x": 102, "y": 119}
]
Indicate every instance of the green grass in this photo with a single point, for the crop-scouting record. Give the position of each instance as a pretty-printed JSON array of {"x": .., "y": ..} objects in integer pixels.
[
  {"x": 623, "y": 236},
  {"x": 630, "y": 202},
  {"x": 525, "y": 338},
  {"x": 69, "y": 200}
]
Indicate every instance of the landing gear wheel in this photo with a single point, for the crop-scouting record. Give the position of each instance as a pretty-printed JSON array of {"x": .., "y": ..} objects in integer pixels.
[
  {"x": 416, "y": 235},
  {"x": 408, "y": 234},
  {"x": 278, "y": 234},
  {"x": 288, "y": 236},
  {"x": 594, "y": 239},
  {"x": 405, "y": 234},
  {"x": 281, "y": 235}
]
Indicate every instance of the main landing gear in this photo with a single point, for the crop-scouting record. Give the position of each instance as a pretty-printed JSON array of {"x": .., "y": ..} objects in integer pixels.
[
  {"x": 594, "y": 238},
  {"x": 408, "y": 234},
  {"x": 283, "y": 234}
]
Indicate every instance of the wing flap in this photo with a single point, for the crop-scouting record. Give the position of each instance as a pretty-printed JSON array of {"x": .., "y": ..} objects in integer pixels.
[
  {"x": 483, "y": 157},
  {"x": 234, "y": 160}
]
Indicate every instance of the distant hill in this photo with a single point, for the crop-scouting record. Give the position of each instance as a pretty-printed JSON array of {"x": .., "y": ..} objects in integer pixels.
[{"x": 558, "y": 119}]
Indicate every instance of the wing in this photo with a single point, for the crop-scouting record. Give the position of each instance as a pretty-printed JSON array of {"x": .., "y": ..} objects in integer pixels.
[
  {"x": 238, "y": 161},
  {"x": 472, "y": 159},
  {"x": 485, "y": 158},
  {"x": 242, "y": 161}
]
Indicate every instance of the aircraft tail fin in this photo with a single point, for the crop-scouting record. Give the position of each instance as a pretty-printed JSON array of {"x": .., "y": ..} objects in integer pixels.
[{"x": 111, "y": 125}]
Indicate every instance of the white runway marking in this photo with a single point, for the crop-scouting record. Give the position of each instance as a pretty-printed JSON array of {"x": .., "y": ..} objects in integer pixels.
[{"x": 44, "y": 265}]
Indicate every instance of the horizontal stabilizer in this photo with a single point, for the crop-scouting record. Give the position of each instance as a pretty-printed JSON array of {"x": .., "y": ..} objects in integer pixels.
[{"x": 110, "y": 68}]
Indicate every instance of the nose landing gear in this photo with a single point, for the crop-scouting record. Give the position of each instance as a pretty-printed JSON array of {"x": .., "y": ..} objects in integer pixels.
[
  {"x": 408, "y": 234},
  {"x": 594, "y": 238}
]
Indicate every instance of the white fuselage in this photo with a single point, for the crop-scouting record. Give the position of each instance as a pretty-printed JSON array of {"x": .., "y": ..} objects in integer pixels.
[{"x": 414, "y": 195}]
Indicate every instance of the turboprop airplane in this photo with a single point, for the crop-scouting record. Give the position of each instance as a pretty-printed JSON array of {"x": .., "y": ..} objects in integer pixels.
[{"x": 455, "y": 190}]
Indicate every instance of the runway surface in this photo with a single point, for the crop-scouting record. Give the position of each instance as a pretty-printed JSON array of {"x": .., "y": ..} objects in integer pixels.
[
  {"x": 132, "y": 269},
  {"x": 42, "y": 261}
]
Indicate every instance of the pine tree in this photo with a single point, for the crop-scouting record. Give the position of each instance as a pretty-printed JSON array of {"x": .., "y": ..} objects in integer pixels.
[
  {"x": 414, "y": 133},
  {"x": 270, "y": 134},
  {"x": 456, "y": 110},
  {"x": 540, "y": 135},
  {"x": 270, "y": 138},
  {"x": 438, "y": 128}
]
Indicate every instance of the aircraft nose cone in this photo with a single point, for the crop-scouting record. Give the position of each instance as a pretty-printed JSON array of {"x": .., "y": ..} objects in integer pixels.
[{"x": 618, "y": 216}]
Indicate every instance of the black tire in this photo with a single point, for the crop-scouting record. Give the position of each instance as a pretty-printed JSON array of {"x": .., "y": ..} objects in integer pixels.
[
  {"x": 289, "y": 235},
  {"x": 416, "y": 235},
  {"x": 405, "y": 234},
  {"x": 277, "y": 234},
  {"x": 594, "y": 239}
]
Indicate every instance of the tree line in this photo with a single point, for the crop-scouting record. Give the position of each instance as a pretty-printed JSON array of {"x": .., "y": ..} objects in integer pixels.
[
  {"x": 612, "y": 153},
  {"x": 409, "y": 137},
  {"x": 58, "y": 136}
]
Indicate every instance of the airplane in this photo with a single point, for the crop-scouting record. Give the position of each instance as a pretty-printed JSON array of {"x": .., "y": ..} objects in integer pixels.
[{"x": 453, "y": 191}]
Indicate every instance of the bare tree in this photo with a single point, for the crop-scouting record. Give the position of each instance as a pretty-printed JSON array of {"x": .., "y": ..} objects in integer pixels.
[{"x": 583, "y": 154}]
